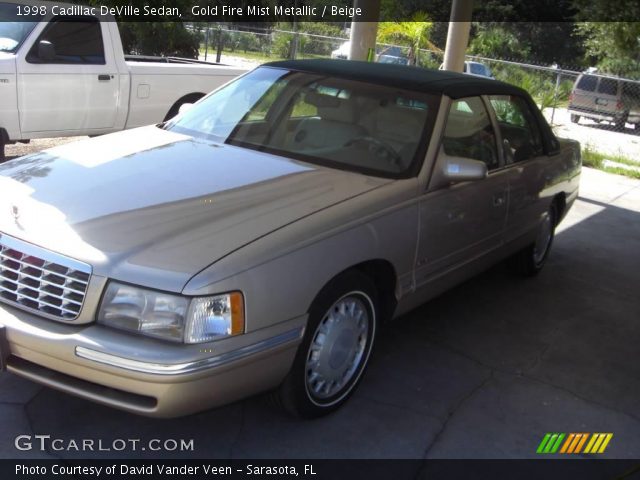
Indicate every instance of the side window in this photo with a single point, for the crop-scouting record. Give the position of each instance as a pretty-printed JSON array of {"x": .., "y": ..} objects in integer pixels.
[
  {"x": 521, "y": 135},
  {"x": 76, "y": 40},
  {"x": 469, "y": 132}
]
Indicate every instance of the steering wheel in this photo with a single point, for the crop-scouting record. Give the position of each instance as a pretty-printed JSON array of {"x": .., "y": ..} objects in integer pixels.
[{"x": 379, "y": 147}]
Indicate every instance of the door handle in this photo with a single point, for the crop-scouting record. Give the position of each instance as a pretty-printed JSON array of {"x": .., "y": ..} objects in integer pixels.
[
  {"x": 104, "y": 77},
  {"x": 498, "y": 199}
]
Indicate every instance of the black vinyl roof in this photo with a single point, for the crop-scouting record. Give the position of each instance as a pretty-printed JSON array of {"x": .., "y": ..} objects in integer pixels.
[{"x": 454, "y": 85}]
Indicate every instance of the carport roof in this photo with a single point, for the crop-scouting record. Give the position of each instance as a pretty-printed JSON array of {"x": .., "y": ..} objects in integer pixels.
[{"x": 454, "y": 85}]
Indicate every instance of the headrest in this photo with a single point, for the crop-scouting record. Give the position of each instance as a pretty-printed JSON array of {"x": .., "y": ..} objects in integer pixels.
[{"x": 332, "y": 108}]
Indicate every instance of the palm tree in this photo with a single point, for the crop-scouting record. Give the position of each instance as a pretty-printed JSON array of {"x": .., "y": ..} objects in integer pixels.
[{"x": 413, "y": 34}]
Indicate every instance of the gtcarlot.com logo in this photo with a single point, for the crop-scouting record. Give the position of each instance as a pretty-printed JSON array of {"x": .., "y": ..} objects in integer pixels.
[
  {"x": 574, "y": 443},
  {"x": 48, "y": 443}
]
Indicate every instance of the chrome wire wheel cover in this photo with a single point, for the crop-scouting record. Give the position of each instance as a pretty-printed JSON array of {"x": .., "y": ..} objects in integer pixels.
[
  {"x": 339, "y": 347},
  {"x": 543, "y": 240}
]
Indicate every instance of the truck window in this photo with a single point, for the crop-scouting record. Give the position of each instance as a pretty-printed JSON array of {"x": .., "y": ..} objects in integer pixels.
[
  {"x": 520, "y": 132},
  {"x": 469, "y": 132},
  {"x": 76, "y": 40}
]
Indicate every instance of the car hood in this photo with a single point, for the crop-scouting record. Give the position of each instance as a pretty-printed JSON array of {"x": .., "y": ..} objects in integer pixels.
[
  {"x": 154, "y": 207},
  {"x": 7, "y": 63}
]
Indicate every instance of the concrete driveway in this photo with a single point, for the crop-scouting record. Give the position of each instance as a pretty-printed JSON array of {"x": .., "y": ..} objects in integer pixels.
[{"x": 483, "y": 371}]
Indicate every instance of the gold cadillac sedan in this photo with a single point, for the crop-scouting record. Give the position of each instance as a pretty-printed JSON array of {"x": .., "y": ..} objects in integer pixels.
[{"x": 256, "y": 241}]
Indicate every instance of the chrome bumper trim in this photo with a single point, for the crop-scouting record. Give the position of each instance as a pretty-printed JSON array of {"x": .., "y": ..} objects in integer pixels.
[{"x": 189, "y": 367}]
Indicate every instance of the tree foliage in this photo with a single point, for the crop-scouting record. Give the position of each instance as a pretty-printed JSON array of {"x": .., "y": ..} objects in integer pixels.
[
  {"x": 413, "y": 34},
  {"x": 497, "y": 42},
  {"x": 614, "y": 47},
  {"x": 156, "y": 38}
]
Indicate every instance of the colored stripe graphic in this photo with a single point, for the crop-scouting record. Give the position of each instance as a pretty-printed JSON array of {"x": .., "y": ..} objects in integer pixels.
[
  {"x": 573, "y": 443},
  {"x": 567, "y": 443},
  {"x": 543, "y": 443},
  {"x": 555, "y": 447},
  {"x": 581, "y": 443},
  {"x": 598, "y": 443},
  {"x": 550, "y": 443}
]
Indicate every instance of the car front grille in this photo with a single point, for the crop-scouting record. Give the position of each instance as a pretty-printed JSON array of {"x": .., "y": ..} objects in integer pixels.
[{"x": 35, "y": 279}]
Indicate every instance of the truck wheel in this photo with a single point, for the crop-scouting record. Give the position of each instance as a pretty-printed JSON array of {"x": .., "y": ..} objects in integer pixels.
[
  {"x": 335, "y": 349},
  {"x": 620, "y": 123},
  {"x": 529, "y": 261},
  {"x": 575, "y": 118}
]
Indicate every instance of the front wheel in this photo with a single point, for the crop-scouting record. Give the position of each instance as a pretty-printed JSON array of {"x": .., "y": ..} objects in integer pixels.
[
  {"x": 530, "y": 260},
  {"x": 335, "y": 349},
  {"x": 575, "y": 118}
]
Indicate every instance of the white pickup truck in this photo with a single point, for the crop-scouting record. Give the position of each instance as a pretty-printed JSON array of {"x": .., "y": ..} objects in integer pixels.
[{"x": 67, "y": 75}]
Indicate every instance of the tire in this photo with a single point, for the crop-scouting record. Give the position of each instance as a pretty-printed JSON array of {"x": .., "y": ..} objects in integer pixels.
[
  {"x": 2, "y": 156},
  {"x": 529, "y": 261},
  {"x": 575, "y": 118},
  {"x": 620, "y": 123},
  {"x": 335, "y": 349}
]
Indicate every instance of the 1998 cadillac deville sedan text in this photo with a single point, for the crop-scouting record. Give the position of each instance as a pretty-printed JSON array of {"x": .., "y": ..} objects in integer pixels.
[{"x": 257, "y": 240}]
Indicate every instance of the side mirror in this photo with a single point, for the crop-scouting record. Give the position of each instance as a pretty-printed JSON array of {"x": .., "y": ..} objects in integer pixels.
[
  {"x": 46, "y": 51},
  {"x": 184, "y": 107},
  {"x": 460, "y": 169}
]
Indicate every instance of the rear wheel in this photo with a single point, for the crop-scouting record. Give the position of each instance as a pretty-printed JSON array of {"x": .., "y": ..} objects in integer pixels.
[
  {"x": 575, "y": 118},
  {"x": 620, "y": 123},
  {"x": 530, "y": 260},
  {"x": 335, "y": 349}
]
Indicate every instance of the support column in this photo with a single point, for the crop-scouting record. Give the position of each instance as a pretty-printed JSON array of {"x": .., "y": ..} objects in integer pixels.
[
  {"x": 363, "y": 34},
  {"x": 458, "y": 35}
]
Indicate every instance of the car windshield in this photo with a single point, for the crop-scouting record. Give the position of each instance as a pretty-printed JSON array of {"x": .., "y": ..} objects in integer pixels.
[
  {"x": 13, "y": 29},
  {"x": 335, "y": 122}
]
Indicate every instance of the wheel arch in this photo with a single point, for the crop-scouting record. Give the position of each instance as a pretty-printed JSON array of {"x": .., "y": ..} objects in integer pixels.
[
  {"x": 188, "y": 98},
  {"x": 560, "y": 202},
  {"x": 383, "y": 275}
]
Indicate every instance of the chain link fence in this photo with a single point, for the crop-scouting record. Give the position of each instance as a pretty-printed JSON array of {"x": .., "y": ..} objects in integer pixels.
[{"x": 591, "y": 108}]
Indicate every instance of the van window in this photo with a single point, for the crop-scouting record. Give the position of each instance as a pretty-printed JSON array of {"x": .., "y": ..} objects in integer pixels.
[
  {"x": 608, "y": 86},
  {"x": 588, "y": 83}
]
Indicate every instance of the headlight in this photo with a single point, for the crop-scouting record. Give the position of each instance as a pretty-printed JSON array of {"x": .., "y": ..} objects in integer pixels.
[{"x": 172, "y": 317}]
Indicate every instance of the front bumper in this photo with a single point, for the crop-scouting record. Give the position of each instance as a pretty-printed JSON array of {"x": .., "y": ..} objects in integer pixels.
[{"x": 144, "y": 375}]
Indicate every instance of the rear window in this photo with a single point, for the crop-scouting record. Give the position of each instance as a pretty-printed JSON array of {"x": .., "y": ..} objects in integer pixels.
[
  {"x": 587, "y": 82},
  {"x": 608, "y": 86}
]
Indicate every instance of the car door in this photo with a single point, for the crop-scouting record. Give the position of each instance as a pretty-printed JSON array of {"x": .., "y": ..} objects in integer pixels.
[
  {"x": 526, "y": 163},
  {"x": 73, "y": 85},
  {"x": 463, "y": 221}
]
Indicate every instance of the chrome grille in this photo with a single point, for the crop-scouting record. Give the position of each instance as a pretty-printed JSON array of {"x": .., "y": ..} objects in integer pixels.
[{"x": 38, "y": 280}]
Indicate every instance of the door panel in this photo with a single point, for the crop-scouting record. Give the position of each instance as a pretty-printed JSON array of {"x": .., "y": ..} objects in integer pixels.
[
  {"x": 459, "y": 223},
  {"x": 78, "y": 89},
  {"x": 462, "y": 221}
]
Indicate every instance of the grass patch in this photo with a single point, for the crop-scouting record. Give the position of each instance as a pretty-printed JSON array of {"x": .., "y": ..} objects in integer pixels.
[{"x": 591, "y": 158}]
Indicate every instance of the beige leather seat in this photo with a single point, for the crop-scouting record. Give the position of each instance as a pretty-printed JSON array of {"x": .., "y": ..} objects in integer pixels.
[{"x": 331, "y": 128}]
